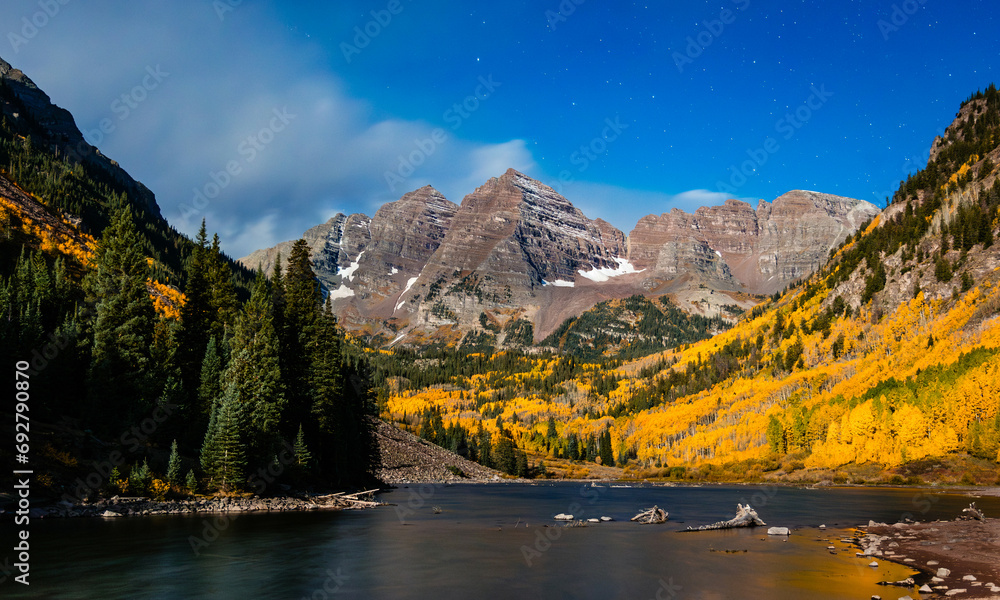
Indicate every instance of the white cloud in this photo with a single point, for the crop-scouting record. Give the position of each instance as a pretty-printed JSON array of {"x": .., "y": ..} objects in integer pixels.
[
  {"x": 245, "y": 237},
  {"x": 217, "y": 106},
  {"x": 215, "y": 109},
  {"x": 623, "y": 207}
]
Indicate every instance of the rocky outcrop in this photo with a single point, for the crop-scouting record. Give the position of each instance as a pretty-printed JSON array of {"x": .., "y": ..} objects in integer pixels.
[
  {"x": 331, "y": 247},
  {"x": 30, "y": 111},
  {"x": 762, "y": 250},
  {"x": 404, "y": 235}
]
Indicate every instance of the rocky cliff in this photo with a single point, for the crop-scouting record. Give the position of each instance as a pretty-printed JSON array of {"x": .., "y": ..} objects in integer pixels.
[
  {"x": 30, "y": 111},
  {"x": 516, "y": 259},
  {"x": 762, "y": 250}
]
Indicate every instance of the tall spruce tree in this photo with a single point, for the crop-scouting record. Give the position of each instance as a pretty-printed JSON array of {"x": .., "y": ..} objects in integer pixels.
[
  {"x": 196, "y": 315},
  {"x": 253, "y": 377},
  {"x": 326, "y": 384},
  {"x": 301, "y": 310},
  {"x": 210, "y": 384},
  {"x": 174, "y": 466},
  {"x": 229, "y": 461},
  {"x": 607, "y": 457},
  {"x": 122, "y": 377}
]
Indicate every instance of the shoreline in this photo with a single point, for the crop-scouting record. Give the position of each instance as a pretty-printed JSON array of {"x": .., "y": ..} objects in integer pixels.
[
  {"x": 953, "y": 559},
  {"x": 120, "y": 507}
]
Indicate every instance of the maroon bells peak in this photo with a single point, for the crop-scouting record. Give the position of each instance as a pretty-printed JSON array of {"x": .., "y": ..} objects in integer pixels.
[{"x": 516, "y": 252}]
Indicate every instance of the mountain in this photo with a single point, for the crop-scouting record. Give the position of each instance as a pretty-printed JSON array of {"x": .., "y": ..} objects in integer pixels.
[
  {"x": 91, "y": 280},
  {"x": 881, "y": 366},
  {"x": 515, "y": 260},
  {"x": 762, "y": 250},
  {"x": 30, "y": 112}
]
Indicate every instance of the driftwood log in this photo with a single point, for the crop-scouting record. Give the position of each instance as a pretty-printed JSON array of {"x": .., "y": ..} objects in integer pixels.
[
  {"x": 973, "y": 513},
  {"x": 745, "y": 517},
  {"x": 346, "y": 500},
  {"x": 652, "y": 516}
]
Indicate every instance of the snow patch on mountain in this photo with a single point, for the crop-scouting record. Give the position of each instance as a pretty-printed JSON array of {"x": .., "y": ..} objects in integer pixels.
[
  {"x": 603, "y": 274},
  {"x": 559, "y": 283},
  {"x": 340, "y": 293},
  {"x": 409, "y": 284},
  {"x": 348, "y": 272}
]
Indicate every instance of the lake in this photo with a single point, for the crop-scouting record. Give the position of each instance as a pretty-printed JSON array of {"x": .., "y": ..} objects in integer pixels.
[{"x": 488, "y": 541}]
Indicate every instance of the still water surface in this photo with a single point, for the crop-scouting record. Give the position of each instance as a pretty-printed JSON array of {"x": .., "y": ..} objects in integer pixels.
[{"x": 489, "y": 541}]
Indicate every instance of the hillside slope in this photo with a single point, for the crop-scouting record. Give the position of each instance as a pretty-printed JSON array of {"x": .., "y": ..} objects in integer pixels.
[{"x": 887, "y": 355}]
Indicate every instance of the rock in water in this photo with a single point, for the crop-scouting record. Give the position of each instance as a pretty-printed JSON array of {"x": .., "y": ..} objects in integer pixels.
[{"x": 782, "y": 531}]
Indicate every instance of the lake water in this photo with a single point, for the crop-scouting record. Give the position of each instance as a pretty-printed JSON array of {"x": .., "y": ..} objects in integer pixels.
[{"x": 487, "y": 541}]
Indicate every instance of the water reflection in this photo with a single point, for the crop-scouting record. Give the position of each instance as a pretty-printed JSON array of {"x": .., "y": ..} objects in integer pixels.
[{"x": 490, "y": 541}]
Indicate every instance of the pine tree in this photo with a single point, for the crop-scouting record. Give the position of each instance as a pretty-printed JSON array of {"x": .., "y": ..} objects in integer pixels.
[
  {"x": 484, "y": 447},
  {"x": 775, "y": 436},
  {"x": 253, "y": 377},
  {"x": 122, "y": 378},
  {"x": 302, "y": 455},
  {"x": 191, "y": 482},
  {"x": 140, "y": 478},
  {"x": 573, "y": 450},
  {"x": 230, "y": 462},
  {"x": 174, "y": 466},
  {"x": 521, "y": 465},
  {"x": 210, "y": 445},
  {"x": 298, "y": 334},
  {"x": 225, "y": 305},
  {"x": 196, "y": 314},
  {"x": 210, "y": 387},
  {"x": 326, "y": 376},
  {"x": 607, "y": 457}
]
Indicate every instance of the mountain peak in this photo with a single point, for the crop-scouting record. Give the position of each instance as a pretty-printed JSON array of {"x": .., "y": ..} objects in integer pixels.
[{"x": 56, "y": 129}]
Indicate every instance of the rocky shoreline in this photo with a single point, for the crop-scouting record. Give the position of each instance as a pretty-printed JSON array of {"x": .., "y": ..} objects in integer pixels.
[
  {"x": 956, "y": 559},
  {"x": 408, "y": 459},
  {"x": 141, "y": 507}
]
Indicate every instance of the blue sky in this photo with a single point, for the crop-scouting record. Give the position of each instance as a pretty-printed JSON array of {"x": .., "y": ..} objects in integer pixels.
[{"x": 282, "y": 114}]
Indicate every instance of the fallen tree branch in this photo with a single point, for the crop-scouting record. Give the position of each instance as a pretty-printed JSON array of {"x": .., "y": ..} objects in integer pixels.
[
  {"x": 652, "y": 516},
  {"x": 745, "y": 517}
]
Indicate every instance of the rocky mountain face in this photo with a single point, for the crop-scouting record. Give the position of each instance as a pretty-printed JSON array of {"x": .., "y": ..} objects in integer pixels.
[
  {"x": 331, "y": 244},
  {"x": 516, "y": 259},
  {"x": 30, "y": 111},
  {"x": 762, "y": 250},
  {"x": 510, "y": 238}
]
